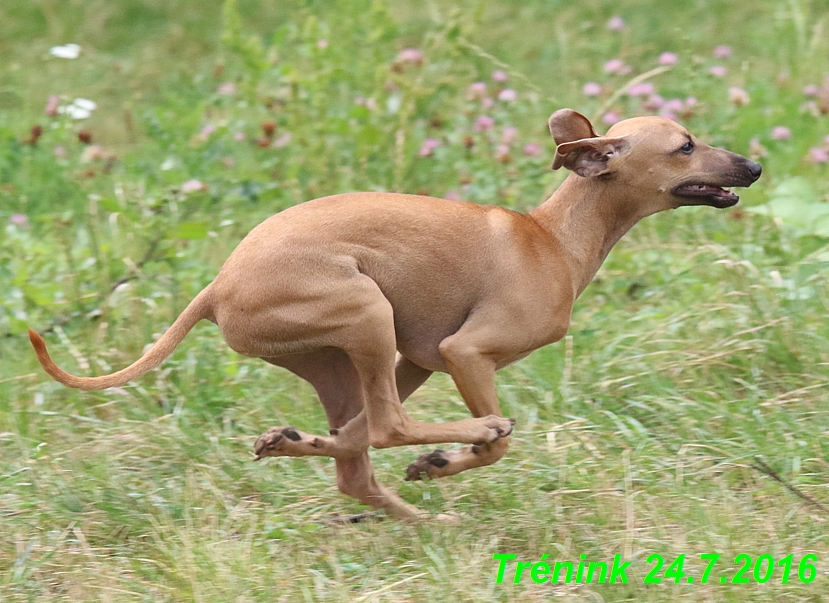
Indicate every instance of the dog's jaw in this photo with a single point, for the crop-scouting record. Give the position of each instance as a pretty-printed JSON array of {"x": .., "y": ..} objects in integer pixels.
[{"x": 706, "y": 194}]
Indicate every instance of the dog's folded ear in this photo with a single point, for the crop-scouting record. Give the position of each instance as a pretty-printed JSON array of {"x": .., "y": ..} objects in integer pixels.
[
  {"x": 590, "y": 157},
  {"x": 567, "y": 125},
  {"x": 579, "y": 148}
]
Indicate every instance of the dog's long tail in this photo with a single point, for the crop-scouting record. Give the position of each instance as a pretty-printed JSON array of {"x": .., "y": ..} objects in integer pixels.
[{"x": 198, "y": 309}]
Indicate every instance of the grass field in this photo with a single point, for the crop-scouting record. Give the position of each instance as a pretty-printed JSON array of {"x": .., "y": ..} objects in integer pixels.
[{"x": 685, "y": 412}]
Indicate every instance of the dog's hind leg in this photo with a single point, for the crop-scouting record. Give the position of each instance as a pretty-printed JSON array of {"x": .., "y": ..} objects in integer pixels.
[
  {"x": 369, "y": 340},
  {"x": 332, "y": 374},
  {"x": 334, "y": 378}
]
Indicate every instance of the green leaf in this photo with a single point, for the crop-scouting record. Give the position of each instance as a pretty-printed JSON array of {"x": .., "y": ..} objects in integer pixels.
[
  {"x": 369, "y": 135},
  {"x": 795, "y": 203},
  {"x": 192, "y": 230}
]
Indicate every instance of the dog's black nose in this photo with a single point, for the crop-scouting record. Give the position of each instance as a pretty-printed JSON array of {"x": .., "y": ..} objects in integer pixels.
[{"x": 755, "y": 169}]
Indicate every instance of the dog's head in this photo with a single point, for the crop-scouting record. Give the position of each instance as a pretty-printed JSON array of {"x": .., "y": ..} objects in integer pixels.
[{"x": 657, "y": 157}]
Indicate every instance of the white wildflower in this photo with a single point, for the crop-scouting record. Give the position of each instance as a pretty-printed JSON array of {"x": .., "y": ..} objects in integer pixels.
[{"x": 70, "y": 51}]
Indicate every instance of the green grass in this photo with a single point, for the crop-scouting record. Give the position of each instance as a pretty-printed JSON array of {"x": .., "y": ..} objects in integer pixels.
[{"x": 701, "y": 346}]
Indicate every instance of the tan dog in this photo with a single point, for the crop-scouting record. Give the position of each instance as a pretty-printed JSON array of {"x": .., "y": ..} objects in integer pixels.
[{"x": 364, "y": 295}]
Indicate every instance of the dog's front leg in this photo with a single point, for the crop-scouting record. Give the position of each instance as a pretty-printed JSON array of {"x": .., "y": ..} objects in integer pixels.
[{"x": 473, "y": 372}]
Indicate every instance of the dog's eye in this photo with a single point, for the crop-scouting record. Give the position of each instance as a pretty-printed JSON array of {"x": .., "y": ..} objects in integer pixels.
[{"x": 687, "y": 148}]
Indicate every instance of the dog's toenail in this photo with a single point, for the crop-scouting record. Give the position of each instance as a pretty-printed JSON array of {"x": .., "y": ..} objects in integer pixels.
[
  {"x": 334, "y": 431},
  {"x": 412, "y": 473},
  {"x": 316, "y": 443},
  {"x": 291, "y": 434},
  {"x": 475, "y": 449}
]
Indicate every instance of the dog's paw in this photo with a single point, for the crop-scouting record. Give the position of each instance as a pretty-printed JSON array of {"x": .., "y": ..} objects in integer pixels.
[
  {"x": 497, "y": 428},
  {"x": 443, "y": 463},
  {"x": 286, "y": 441},
  {"x": 427, "y": 464}
]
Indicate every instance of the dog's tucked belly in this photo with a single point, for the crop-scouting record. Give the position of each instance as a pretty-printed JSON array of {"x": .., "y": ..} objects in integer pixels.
[{"x": 423, "y": 350}]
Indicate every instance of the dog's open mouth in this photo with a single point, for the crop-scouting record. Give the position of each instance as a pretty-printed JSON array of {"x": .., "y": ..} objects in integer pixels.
[{"x": 707, "y": 194}]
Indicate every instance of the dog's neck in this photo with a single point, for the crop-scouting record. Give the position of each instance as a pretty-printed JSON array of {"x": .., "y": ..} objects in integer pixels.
[{"x": 588, "y": 217}]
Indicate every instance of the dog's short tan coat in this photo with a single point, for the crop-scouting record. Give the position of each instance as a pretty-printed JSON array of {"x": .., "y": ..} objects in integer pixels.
[{"x": 366, "y": 294}]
